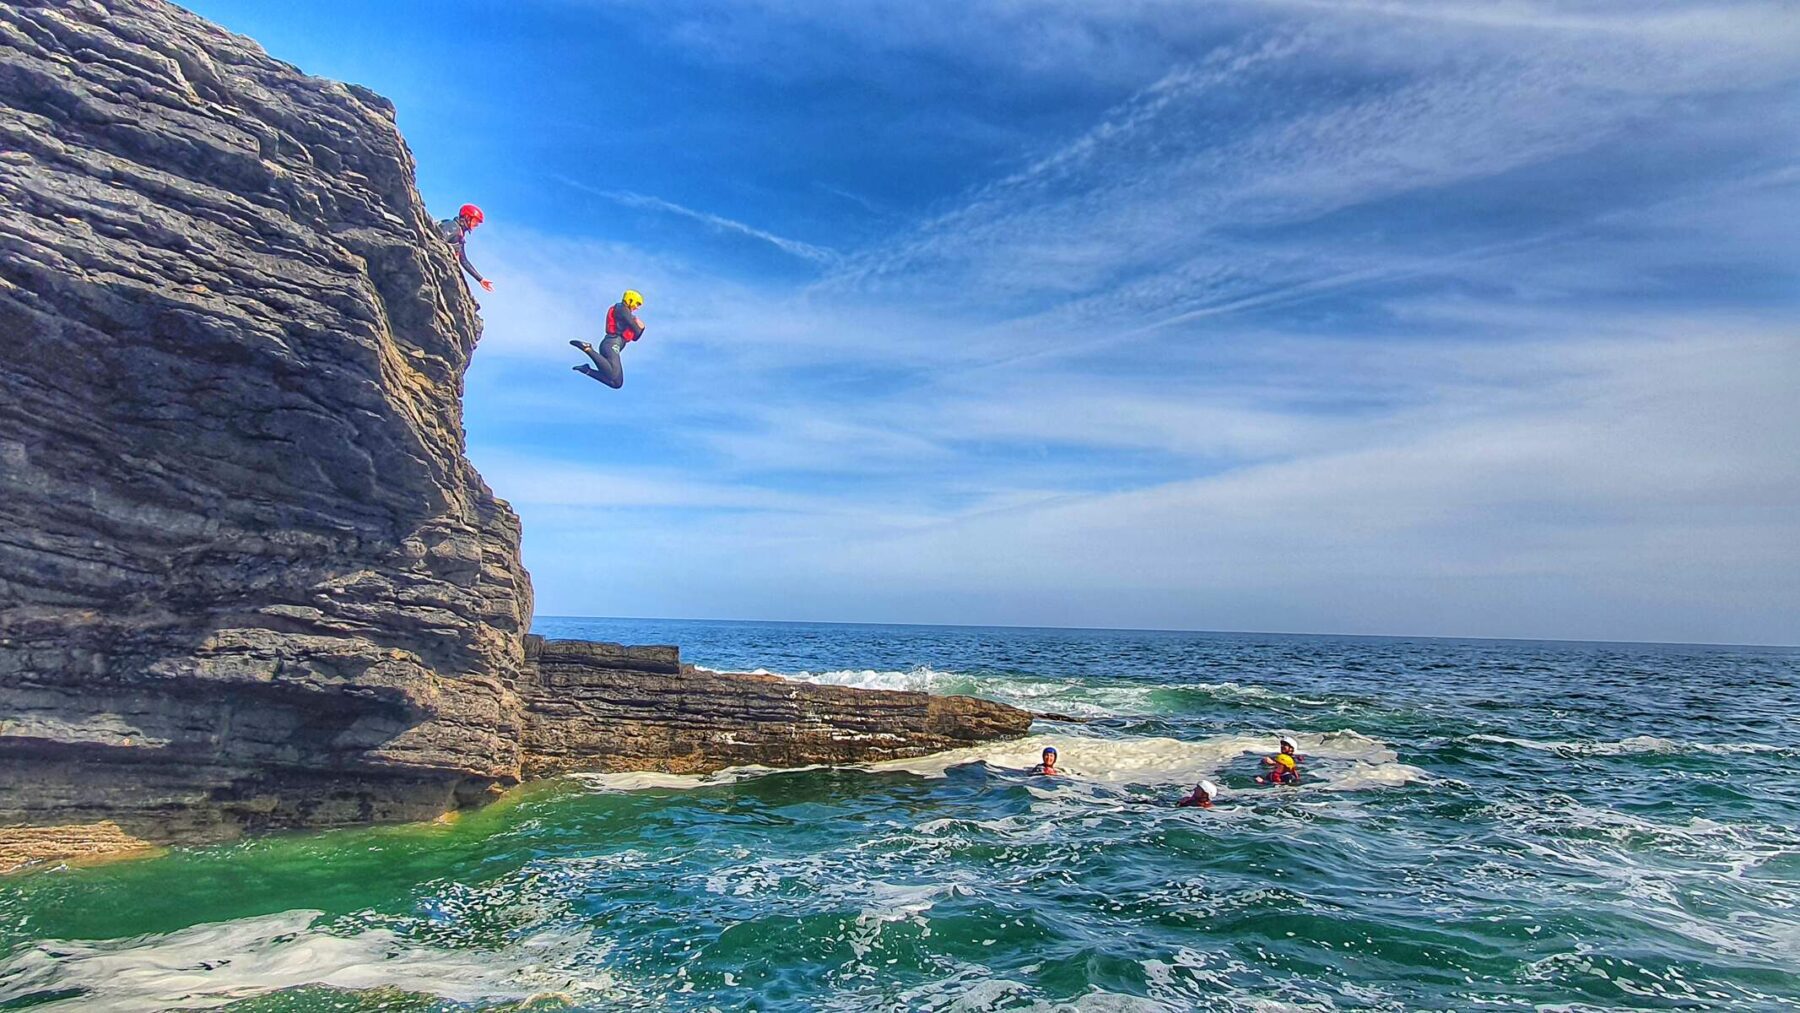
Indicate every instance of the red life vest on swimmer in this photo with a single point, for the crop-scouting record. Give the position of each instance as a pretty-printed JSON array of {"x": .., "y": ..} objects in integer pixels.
[
  {"x": 622, "y": 323},
  {"x": 1284, "y": 773}
]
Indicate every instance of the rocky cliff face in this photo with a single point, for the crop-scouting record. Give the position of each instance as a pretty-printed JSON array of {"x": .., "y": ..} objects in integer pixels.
[{"x": 247, "y": 577}]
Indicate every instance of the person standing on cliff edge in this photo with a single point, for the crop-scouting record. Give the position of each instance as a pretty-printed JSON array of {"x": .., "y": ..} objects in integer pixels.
[
  {"x": 622, "y": 327},
  {"x": 456, "y": 232}
]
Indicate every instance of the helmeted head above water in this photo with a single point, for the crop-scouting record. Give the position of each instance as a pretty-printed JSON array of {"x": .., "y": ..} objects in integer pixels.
[
  {"x": 1285, "y": 760},
  {"x": 1049, "y": 752},
  {"x": 1208, "y": 789},
  {"x": 1287, "y": 745}
]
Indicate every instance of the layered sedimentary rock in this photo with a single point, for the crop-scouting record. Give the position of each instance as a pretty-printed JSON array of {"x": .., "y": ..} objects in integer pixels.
[
  {"x": 247, "y": 576},
  {"x": 605, "y": 707}
]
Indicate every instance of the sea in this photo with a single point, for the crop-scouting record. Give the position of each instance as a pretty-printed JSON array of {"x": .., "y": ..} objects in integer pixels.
[{"x": 1481, "y": 825}]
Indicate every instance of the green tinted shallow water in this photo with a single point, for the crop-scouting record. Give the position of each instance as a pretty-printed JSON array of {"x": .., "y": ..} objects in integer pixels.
[{"x": 1485, "y": 824}]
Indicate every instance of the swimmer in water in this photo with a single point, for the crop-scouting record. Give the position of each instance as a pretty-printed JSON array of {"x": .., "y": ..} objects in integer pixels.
[
  {"x": 1284, "y": 766},
  {"x": 1048, "y": 767},
  {"x": 1202, "y": 798}
]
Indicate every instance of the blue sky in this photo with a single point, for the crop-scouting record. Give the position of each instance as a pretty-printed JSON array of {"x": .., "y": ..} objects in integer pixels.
[{"x": 1374, "y": 316}]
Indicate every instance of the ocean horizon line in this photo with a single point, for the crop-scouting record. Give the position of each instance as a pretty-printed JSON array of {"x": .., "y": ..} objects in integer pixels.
[{"x": 1446, "y": 638}]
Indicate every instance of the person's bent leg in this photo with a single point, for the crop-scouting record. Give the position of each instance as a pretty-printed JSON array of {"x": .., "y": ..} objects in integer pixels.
[
  {"x": 606, "y": 363},
  {"x": 606, "y": 368}
]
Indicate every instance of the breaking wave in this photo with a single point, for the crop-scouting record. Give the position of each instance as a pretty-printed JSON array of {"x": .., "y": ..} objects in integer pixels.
[
  {"x": 1079, "y": 697},
  {"x": 212, "y": 965}
]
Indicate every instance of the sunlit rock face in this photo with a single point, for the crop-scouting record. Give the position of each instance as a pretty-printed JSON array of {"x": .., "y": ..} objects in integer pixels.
[{"x": 247, "y": 576}]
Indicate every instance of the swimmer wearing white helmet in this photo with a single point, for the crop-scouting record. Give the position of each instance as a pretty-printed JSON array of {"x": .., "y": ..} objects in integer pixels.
[{"x": 1202, "y": 798}]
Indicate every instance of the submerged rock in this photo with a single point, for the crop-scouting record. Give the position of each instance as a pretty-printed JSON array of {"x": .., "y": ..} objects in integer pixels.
[{"x": 248, "y": 578}]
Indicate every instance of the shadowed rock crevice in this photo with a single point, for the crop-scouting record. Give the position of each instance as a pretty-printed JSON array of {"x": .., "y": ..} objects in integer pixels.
[{"x": 248, "y": 579}]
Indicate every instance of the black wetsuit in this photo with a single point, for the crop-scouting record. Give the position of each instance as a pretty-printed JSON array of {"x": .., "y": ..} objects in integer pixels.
[
  {"x": 621, "y": 326},
  {"x": 453, "y": 233},
  {"x": 606, "y": 368}
]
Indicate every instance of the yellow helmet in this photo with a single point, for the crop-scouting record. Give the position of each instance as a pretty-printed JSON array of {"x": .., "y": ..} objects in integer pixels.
[
  {"x": 1285, "y": 760},
  {"x": 632, "y": 299}
]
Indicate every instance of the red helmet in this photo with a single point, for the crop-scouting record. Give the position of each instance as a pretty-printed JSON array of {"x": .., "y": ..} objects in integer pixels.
[{"x": 472, "y": 213}]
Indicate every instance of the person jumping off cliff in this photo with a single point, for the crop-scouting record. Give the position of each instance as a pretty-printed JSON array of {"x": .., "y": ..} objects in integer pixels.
[
  {"x": 455, "y": 231},
  {"x": 622, "y": 327}
]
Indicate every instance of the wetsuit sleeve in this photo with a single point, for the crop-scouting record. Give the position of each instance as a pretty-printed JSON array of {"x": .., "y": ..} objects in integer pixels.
[
  {"x": 462, "y": 255},
  {"x": 629, "y": 327},
  {"x": 452, "y": 233}
]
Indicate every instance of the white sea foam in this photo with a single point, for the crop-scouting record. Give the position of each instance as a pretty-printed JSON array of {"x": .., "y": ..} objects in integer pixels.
[
  {"x": 1624, "y": 747},
  {"x": 733, "y": 671},
  {"x": 1375, "y": 775},
  {"x": 974, "y": 989},
  {"x": 212, "y": 965},
  {"x": 1657, "y": 864},
  {"x": 1356, "y": 761},
  {"x": 1092, "y": 759},
  {"x": 919, "y": 680},
  {"x": 1075, "y": 696},
  {"x": 652, "y": 780}
]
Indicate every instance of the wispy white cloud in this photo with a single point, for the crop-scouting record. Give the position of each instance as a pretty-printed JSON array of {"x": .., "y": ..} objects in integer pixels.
[
  {"x": 805, "y": 251},
  {"x": 1561, "y": 507},
  {"x": 1377, "y": 317}
]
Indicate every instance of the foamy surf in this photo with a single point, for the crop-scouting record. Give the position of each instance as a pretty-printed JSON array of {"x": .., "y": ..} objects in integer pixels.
[
  {"x": 1625, "y": 747},
  {"x": 212, "y": 965},
  {"x": 654, "y": 780},
  {"x": 1080, "y": 697},
  {"x": 1338, "y": 761},
  {"x": 1350, "y": 760}
]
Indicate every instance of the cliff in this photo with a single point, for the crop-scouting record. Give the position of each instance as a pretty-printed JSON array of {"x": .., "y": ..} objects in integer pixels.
[{"x": 247, "y": 577}]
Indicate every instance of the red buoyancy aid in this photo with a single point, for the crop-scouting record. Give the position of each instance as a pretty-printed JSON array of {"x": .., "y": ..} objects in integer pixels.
[{"x": 622, "y": 322}]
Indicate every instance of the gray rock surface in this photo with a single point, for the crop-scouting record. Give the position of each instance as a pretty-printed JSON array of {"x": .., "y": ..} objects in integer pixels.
[
  {"x": 248, "y": 578},
  {"x": 602, "y": 707}
]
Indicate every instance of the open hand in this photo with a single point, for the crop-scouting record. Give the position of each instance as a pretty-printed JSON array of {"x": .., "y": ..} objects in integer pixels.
[{"x": 487, "y": 285}]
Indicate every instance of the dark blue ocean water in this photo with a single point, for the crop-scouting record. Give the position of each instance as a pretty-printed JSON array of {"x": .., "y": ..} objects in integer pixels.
[{"x": 1483, "y": 825}]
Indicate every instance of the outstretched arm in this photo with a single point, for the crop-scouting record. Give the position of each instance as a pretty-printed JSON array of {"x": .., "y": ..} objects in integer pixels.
[{"x": 462, "y": 255}]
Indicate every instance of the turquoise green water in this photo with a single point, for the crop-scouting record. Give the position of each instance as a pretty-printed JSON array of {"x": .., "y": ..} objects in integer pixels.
[{"x": 1483, "y": 824}]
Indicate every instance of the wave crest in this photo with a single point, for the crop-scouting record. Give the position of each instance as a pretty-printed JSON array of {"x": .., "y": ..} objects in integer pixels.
[{"x": 216, "y": 964}]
